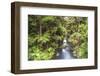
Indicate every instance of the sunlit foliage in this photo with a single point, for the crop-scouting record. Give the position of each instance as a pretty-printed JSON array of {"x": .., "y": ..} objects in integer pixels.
[{"x": 46, "y": 35}]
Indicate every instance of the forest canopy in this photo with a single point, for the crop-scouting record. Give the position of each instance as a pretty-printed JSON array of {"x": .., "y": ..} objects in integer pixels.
[{"x": 46, "y": 35}]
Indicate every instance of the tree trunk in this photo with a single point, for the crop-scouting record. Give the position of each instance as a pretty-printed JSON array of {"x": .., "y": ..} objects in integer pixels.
[{"x": 40, "y": 24}]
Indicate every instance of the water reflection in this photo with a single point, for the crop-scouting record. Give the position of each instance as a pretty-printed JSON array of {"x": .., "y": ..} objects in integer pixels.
[{"x": 66, "y": 52}]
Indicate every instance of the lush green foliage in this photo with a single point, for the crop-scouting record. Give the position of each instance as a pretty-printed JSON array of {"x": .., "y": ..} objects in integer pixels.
[
  {"x": 46, "y": 34},
  {"x": 78, "y": 36}
]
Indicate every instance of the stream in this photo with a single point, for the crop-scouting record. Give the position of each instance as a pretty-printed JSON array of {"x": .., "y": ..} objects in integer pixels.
[{"x": 66, "y": 52}]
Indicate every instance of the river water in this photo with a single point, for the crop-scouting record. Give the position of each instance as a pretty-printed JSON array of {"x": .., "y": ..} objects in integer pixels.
[{"x": 65, "y": 53}]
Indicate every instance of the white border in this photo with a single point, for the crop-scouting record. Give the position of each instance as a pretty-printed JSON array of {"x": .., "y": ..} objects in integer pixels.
[{"x": 25, "y": 64}]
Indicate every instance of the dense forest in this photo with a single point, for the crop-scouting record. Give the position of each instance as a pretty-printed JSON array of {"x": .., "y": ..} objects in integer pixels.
[{"x": 46, "y": 35}]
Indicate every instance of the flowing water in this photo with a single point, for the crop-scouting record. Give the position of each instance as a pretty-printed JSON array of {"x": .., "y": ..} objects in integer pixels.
[{"x": 66, "y": 52}]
